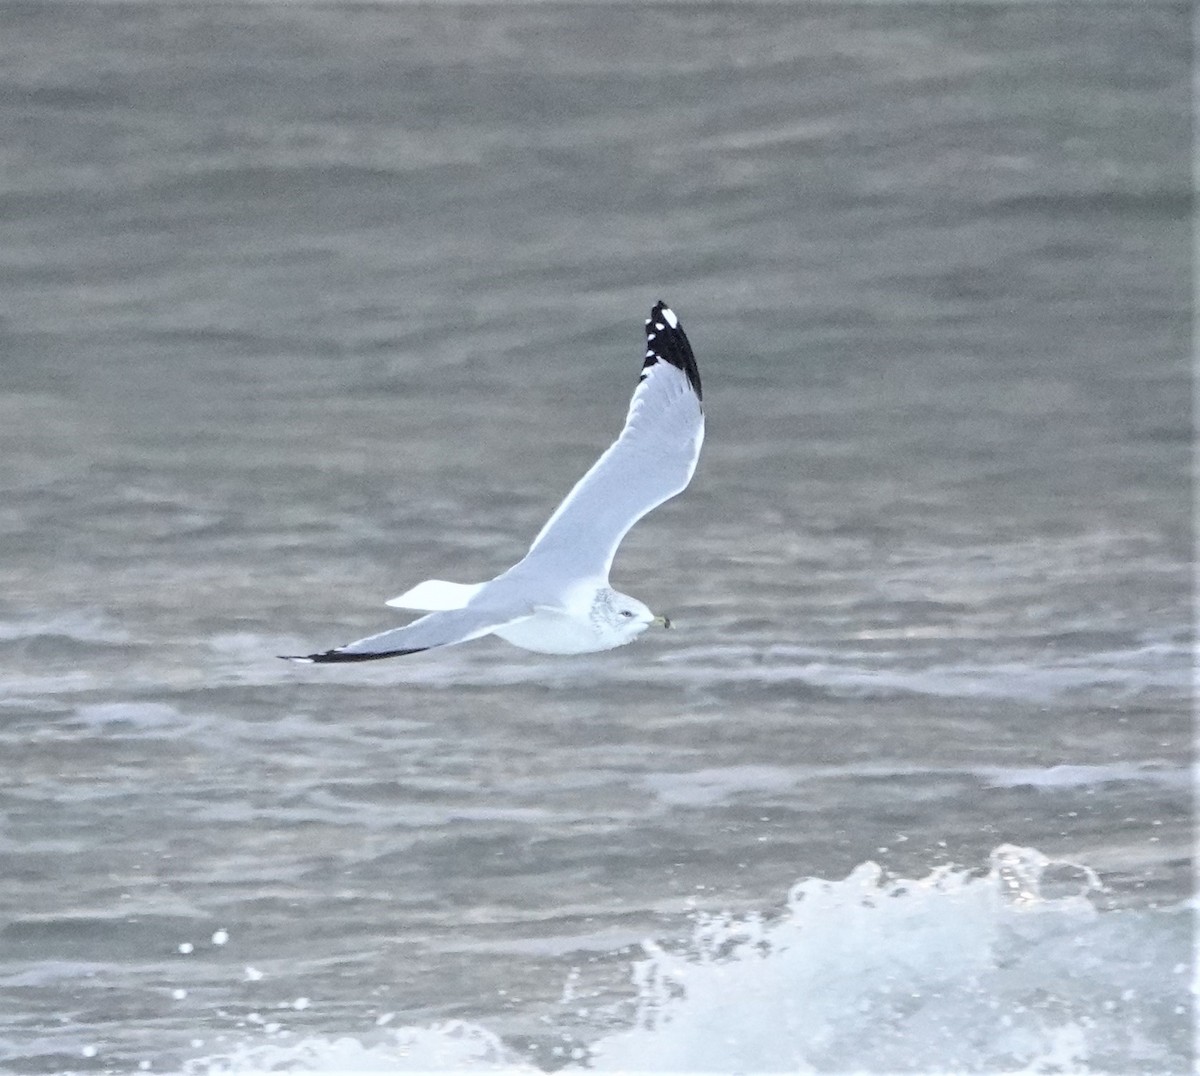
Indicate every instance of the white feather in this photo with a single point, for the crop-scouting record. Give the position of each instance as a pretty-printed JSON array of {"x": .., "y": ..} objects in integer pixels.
[{"x": 436, "y": 596}]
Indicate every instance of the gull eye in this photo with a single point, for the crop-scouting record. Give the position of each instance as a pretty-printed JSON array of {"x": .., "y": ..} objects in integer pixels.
[{"x": 626, "y": 613}]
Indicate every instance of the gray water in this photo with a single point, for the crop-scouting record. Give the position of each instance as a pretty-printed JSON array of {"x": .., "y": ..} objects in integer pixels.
[{"x": 303, "y": 304}]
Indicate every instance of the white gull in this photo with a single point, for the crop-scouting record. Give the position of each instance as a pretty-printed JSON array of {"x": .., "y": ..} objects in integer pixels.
[{"x": 556, "y": 599}]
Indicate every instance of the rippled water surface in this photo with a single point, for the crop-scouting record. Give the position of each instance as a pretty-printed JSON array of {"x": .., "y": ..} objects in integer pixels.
[{"x": 302, "y": 304}]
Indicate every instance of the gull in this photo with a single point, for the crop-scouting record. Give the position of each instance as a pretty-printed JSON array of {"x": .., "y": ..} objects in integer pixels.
[{"x": 557, "y": 599}]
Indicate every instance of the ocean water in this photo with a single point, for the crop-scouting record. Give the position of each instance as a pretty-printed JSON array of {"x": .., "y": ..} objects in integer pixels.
[{"x": 304, "y": 303}]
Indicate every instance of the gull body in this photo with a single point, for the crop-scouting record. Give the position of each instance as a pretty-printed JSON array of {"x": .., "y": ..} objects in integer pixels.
[
  {"x": 557, "y": 599},
  {"x": 601, "y": 621}
]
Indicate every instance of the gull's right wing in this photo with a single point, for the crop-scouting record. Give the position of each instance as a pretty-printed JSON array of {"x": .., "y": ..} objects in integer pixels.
[{"x": 436, "y": 629}]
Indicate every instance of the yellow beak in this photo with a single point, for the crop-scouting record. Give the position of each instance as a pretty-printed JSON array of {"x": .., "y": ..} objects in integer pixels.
[{"x": 662, "y": 621}]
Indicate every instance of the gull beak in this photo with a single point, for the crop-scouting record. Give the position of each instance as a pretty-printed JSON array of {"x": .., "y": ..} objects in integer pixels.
[{"x": 662, "y": 621}]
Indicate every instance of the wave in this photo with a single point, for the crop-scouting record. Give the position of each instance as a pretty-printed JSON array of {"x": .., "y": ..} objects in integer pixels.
[{"x": 1012, "y": 969}]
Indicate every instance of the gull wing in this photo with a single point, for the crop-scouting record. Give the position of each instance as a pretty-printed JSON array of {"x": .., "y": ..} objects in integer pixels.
[
  {"x": 436, "y": 629},
  {"x": 649, "y": 463}
]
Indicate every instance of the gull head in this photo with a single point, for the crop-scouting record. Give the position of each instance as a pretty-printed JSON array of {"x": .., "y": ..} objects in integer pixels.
[{"x": 620, "y": 619}]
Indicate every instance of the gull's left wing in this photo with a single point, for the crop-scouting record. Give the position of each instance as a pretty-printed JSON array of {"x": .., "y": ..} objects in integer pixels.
[{"x": 649, "y": 463}]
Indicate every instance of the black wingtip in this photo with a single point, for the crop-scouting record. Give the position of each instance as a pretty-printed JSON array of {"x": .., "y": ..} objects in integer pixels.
[
  {"x": 330, "y": 656},
  {"x": 667, "y": 342}
]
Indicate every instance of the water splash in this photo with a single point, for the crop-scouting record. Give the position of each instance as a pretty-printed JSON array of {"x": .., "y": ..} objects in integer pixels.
[{"x": 1013, "y": 969}]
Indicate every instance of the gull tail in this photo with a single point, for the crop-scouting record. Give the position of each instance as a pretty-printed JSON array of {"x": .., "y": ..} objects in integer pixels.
[{"x": 436, "y": 596}]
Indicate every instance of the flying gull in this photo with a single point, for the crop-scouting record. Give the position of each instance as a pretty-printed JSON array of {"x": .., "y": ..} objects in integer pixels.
[{"x": 556, "y": 599}]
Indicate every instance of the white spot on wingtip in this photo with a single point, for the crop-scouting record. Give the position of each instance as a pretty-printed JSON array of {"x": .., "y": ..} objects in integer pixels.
[
  {"x": 670, "y": 317},
  {"x": 659, "y": 326}
]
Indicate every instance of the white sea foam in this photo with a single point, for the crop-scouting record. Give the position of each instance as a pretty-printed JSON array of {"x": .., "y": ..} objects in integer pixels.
[
  {"x": 1067, "y": 776},
  {"x": 454, "y": 1046},
  {"x": 82, "y": 626},
  {"x": 726, "y": 784},
  {"x": 149, "y": 716},
  {"x": 947, "y": 973},
  {"x": 958, "y": 971}
]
